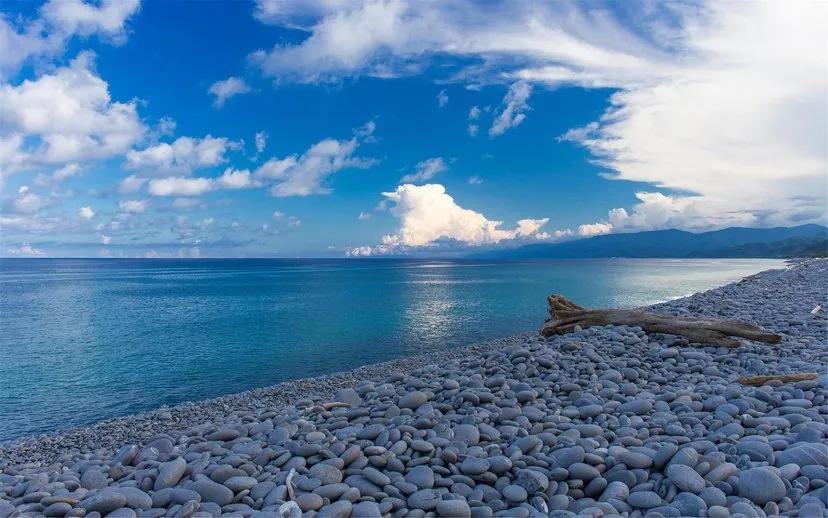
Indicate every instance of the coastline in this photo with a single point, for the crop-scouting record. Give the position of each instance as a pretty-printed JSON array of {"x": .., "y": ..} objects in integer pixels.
[
  {"x": 139, "y": 428},
  {"x": 603, "y": 421}
]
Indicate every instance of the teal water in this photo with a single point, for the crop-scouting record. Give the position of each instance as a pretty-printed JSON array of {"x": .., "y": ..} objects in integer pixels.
[{"x": 82, "y": 339}]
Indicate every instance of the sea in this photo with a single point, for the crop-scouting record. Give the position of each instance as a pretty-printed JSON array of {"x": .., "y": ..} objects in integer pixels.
[{"x": 83, "y": 340}]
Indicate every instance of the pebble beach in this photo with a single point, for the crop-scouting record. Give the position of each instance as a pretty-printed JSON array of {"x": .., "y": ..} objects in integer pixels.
[{"x": 606, "y": 421}]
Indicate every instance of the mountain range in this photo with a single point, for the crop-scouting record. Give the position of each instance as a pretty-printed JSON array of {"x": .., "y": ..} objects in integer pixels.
[{"x": 799, "y": 241}]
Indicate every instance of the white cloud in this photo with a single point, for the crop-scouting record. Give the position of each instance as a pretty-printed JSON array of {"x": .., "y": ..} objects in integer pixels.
[
  {"x": 235, "y": 179},
  {"x": 474, "y": 114},
  {"x": 474, "y": 180},
  {"x": 133, "y": 206},
  {"x": 227, "y": 88},
  {"x": 442, "y": 98},
  {"x": 184, "y": 203},
  {"x": 294, "y": 222},
  {"x": 25, "y": 249},
  {"x": 28, "y": 202},
  {"x": 428, "y": 215},
  {"x": 261, "y": 141},
  {"x": 425, "y": 170},
  {"x": 514, "y": 108},
  {"x": 364, "y": 216},
  {"x": 277, "y": 214},
  {"x": 131, "y": 183},
  {"x": 723, "y": 101},
  {"x": 594, "y": 229},
  {"x": 231, "y": 179},
  {"x": 306, "y": 174},
  {"x": 179, "y": 186},
  {"x": 182, "y": 156},
  {"x": 66, "y": 116},
  {"x": 86, "y": 213},
  {"x": 60, "y": 20},
  {"x": 105, "y": 240}
]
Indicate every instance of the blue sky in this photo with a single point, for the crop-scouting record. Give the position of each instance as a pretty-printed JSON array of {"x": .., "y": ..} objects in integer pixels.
[{"x": 341, "y": 128}]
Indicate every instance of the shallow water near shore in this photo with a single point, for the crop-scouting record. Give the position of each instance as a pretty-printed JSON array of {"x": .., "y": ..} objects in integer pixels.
[{"x": 84, "y": 340}]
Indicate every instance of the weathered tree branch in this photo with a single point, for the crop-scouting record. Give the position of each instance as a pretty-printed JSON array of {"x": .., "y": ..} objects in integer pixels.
[
  {"x": 565, "y": 315},
  {"x": 758, "y": 381}
]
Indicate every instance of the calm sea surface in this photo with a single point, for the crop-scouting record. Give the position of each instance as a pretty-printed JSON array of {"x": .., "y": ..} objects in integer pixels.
[{"x": 83, "y": 340}]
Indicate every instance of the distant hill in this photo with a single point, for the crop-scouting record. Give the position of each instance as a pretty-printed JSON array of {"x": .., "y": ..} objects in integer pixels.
[{"x": 799, "y": 241}]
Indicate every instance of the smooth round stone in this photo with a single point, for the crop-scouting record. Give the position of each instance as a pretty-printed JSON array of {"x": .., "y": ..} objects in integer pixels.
[
  {"x": 338, "y": 509},
  {"x": 685, "y": 478},
  {"x": 636, "y": 406},
  {"x": 366, "y": 509},
  {"x": 309, "y": 502},
  {"x": 325, "y": 473},
  {"x": 425, "y": 499},
  {"x": 590, "y": 411},
  {"x": 634, "y": 459},
  {"x": 93, "y": 479},
  {"x": 581, "y": 471},
  {"x": 413, "y": 400},
  {"x": 499, "y": 464},
  {"x": 238, "y": 484},
  {"x": 760, "y": 485},
  {"x": 515, "y": 493},
  {"x": 170, "y": 473},
  {"x": 803, "y": 454},
  {"x": 713, "y": 496},
  {"x": 532, "y": 481},
  {"x": 474, "y": 466},
  {"x": 135, "y": 498},
  {"x": 422, "y": 446},
  {"x": 467, "y": 433},
  {"x": 103, "y": 502},
  {"x": 453, "y": 509},
  {"x": 56, "y": 509},
  {"x": 420, "y": 476},
  {"x": 644, "y": 500},
  {"x": 212, "y": 492},
  {"x": 377, "y": 477}
]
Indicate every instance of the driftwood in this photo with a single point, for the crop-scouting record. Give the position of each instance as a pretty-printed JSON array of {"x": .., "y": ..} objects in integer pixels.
[
  {"x": 564, "y": 315},
  {"x": 758, "y": 381}
]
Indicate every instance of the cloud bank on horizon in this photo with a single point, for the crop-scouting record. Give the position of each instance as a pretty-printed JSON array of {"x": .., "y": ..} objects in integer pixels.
[{"x": 716, "y": 110}]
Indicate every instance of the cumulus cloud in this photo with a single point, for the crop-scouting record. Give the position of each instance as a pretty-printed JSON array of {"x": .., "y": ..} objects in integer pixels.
[
  {"x": 131, "y": 183},
  {"x": 26, "y": 249},
  {"x": 60, "y": 20},
  {"x": 425, "y": 170},
  {"x": 306, "y": 174},
  {"x": 227, "y": 88},
  {"x": 474, "y": 180},
  {"x": 182, "y": 156},
  {"x": 513, "y": 110},
  {"x": 179, "y": 186},
  {"x": 429, "y": 215},
  {"x": 105, "y": 240},
  {"x": 28, "y": 202},
  {"x": 86, "y": 213},
  {"x": 66, "y": 116},
  {"x": 133, "y": 206},
  {"x": 231, "y": 179}
]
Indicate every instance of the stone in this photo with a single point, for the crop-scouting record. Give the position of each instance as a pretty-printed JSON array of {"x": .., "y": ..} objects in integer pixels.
[
  {"x": 474, "y": 466},
  {"x": 685, "y": 478},
  {"x": 103, "y": 502},
  {"x": 326, "y": 473},
  {"x": 413, "y": 400},
  {"x": 644, "y": 500},
  {"x": 455, "y": 508},
  {"x": 170, "y": 473},
  {"x": 761, "y": 485},
  {"x": 212, "y": 491},
  {"x": 515, "y": 493}
]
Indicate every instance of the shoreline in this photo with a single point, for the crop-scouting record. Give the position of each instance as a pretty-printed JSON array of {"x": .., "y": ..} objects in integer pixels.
[
  {"x": 603, "y": 421},
  {"x": 141, "y": 427}
]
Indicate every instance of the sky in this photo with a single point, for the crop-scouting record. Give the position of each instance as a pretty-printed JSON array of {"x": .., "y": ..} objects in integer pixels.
[{"x": 349, "y": 128}]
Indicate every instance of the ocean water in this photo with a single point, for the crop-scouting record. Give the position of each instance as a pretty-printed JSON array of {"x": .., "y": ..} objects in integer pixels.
[{"x": 83, "y": 340}]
